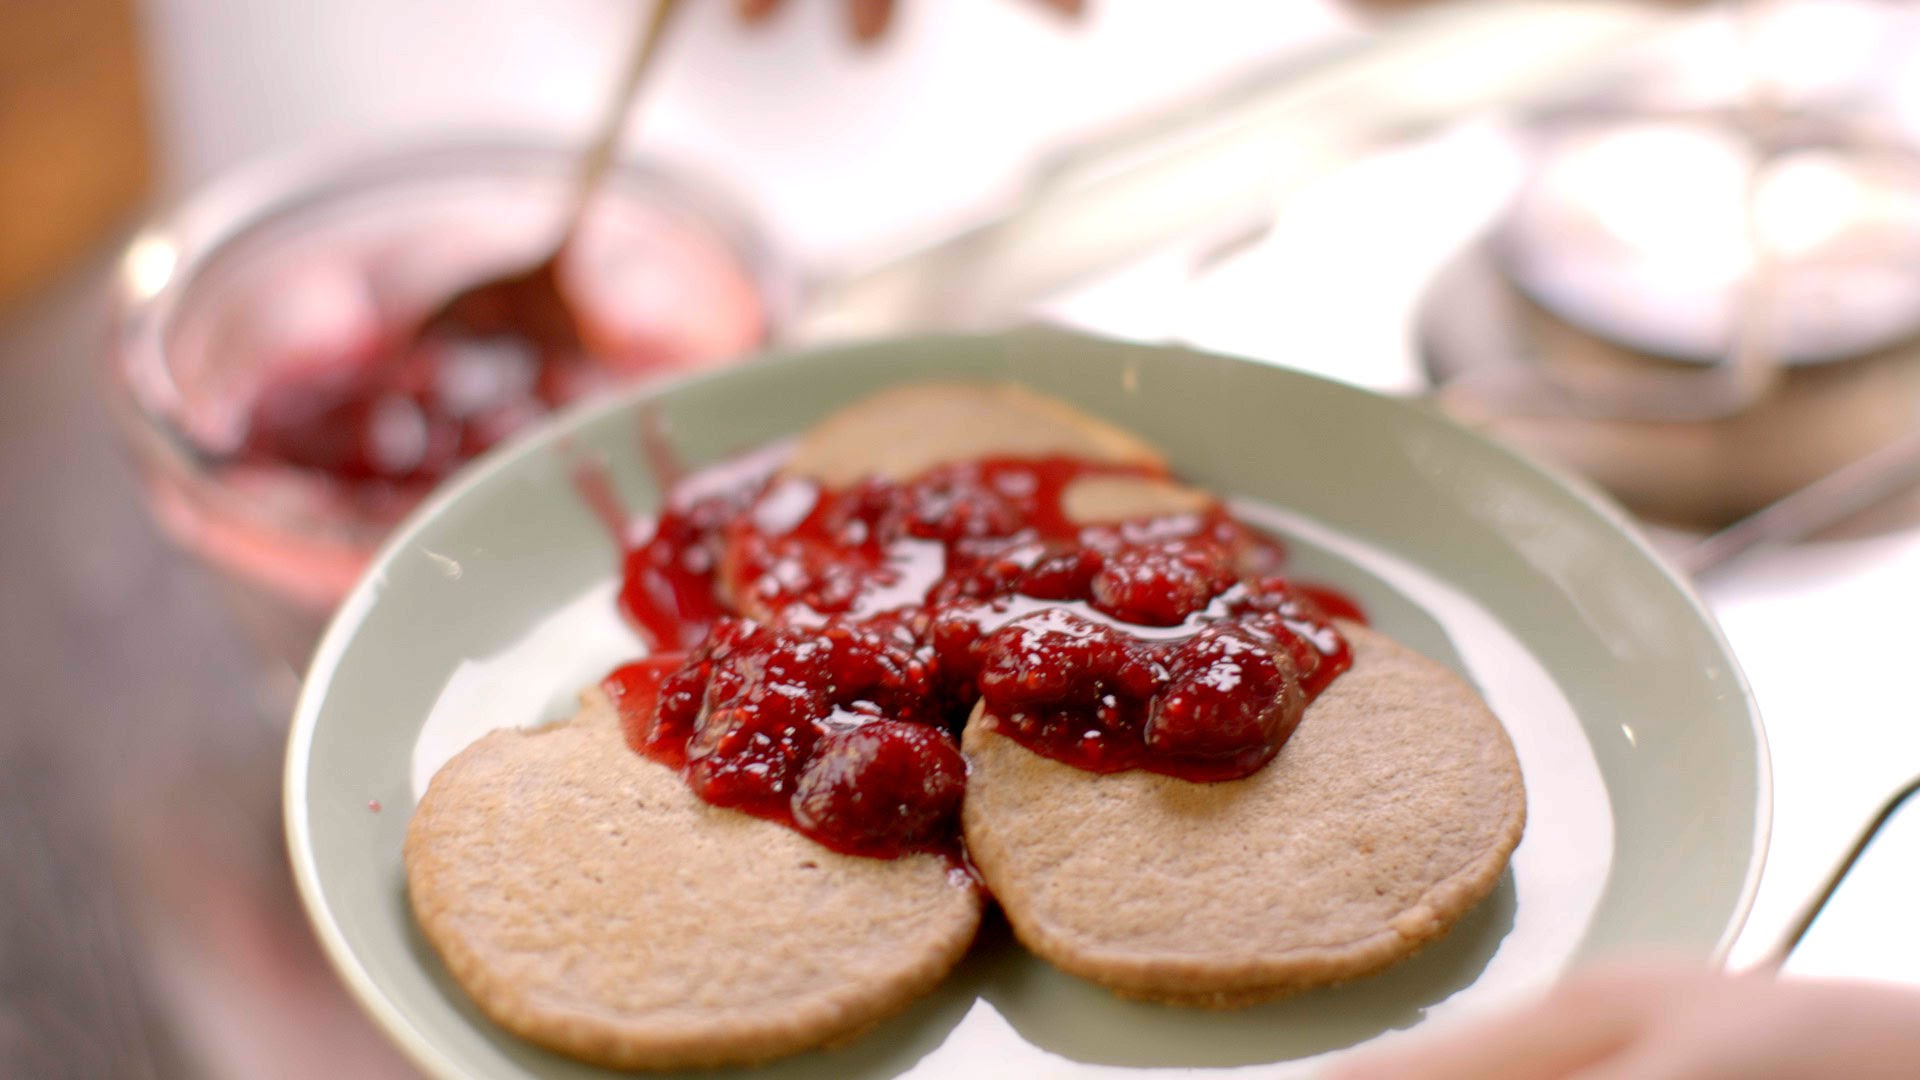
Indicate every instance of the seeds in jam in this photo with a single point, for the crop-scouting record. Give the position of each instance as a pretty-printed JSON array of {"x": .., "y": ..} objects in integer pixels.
[{"x": 834, "y": 642}]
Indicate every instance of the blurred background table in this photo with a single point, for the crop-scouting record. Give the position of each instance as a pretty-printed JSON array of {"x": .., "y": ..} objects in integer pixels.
[{"x": 147, "y": 926}]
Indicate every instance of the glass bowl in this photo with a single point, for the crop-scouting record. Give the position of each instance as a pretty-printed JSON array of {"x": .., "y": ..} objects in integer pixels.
[{"x": 315, "y": 263}]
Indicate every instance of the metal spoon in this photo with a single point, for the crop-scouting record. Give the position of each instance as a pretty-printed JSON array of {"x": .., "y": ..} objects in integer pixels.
[{"x": 530, "y": 304}]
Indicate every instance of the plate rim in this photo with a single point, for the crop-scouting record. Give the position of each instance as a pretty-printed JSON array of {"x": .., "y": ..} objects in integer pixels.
[{"x": 345, "y": 622}]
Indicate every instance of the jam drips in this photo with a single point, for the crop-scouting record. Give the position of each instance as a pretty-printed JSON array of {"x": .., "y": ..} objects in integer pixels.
[{"x": 818, "y": 651}]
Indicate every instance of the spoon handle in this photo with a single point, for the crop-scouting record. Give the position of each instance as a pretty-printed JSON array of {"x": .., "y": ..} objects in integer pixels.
[
  {"x": 1850, "y": 489},
  {"x": 1783, "y": 948},
  {"x": 600, "y": 153}
]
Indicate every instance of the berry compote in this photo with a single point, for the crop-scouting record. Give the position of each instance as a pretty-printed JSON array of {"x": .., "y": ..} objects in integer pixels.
[{"x": 818, "y": 651}]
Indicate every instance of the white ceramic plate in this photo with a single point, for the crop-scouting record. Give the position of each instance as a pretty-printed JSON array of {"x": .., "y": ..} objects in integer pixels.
[{"x": 1644, "y": 759}]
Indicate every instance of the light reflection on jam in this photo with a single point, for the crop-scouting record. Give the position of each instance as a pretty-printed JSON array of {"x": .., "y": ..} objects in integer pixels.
[{"x": 818, "y": 651}]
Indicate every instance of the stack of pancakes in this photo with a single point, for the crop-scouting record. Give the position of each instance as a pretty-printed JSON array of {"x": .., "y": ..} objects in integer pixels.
[{"x": 588, "y": 901}]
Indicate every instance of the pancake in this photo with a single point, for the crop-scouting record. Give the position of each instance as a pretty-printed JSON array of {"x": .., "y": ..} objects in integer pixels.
[
  {"x": 1094, "y": 500},
  {"x": 901, "y": 432},
  {"x": 587, "y": 900},
  {"x": 1387, "y": 816}
]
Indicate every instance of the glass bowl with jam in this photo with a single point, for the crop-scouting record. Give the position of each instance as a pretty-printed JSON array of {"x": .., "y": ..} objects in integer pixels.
[{"x": 282, "y": 408}]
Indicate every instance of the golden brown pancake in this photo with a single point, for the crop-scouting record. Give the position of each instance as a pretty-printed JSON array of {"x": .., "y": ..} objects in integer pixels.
[
  {"x": 587, "y": 900},
  {"x": 1387, "y": 816}
]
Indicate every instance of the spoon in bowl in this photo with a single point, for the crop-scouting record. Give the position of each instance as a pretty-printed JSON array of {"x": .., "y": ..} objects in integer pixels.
[
  {"x": 478, "y": 366},
  {"x": 530, "y": 304}
]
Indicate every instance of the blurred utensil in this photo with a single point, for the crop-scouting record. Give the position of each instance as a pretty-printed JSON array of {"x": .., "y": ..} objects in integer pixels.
[
  {"x": 1862, "y": 485},
  {"x": 1777, "y": 956},
  {"x": 1224, "y": 159},
  {"x": 530, "y": 303}
]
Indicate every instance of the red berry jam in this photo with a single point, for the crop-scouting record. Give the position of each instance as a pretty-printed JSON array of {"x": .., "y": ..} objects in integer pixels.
[
  {"x": 836, "y": 642},
  {"x": 667, "y": 585},
  {"x": 402, "y": 420},
  {"x": 838, "y": 730},
  {"x": 1212, "y": 698}
]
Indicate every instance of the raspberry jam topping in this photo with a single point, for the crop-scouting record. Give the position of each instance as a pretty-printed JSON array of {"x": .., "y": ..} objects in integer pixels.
[
  {"x": 838, "y": 730},
  {"x": 667, "y": 584},
  {"x": 817, "y": 651}
]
